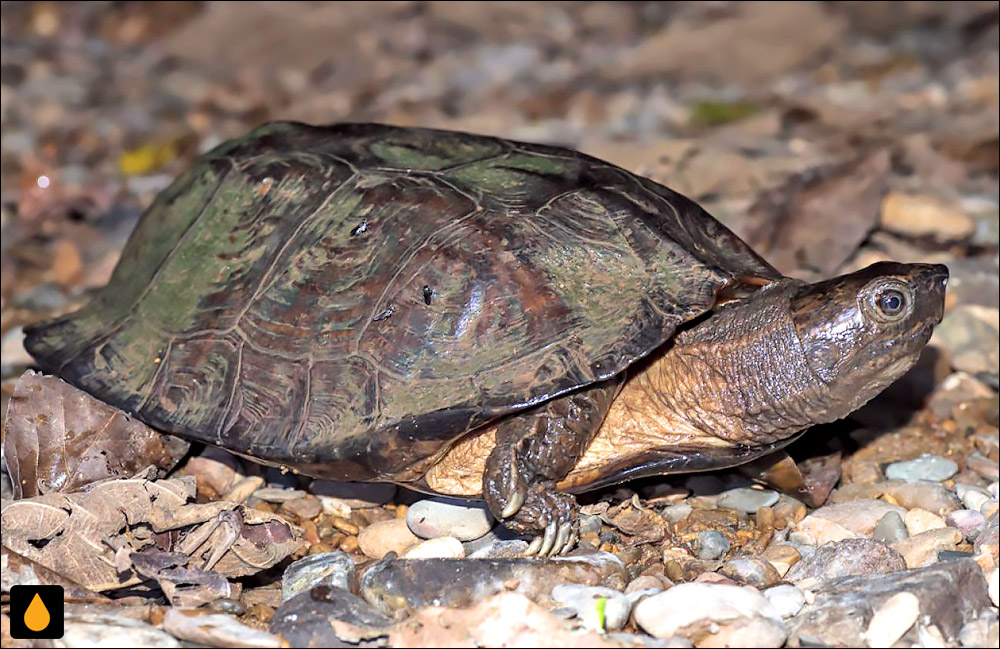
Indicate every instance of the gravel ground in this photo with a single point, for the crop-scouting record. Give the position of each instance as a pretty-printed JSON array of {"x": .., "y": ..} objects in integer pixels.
[{"x": 827, "y": 135}]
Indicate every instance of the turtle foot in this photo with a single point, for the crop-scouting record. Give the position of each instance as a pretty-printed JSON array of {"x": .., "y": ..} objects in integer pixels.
[{"x": 550, "y": 514}]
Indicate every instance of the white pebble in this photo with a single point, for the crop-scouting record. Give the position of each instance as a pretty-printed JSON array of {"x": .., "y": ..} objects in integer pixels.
[
  {"x": 786, "y": 599},
  {"x": 995, "y": 586},
  {"x": 664, "y": 614},
  {"x": 443, "y": 547},
  {"x": 893, "y": 619}
]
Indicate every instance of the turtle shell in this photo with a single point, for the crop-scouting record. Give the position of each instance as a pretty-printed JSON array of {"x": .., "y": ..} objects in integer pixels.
[{"x": 349, "y": 300}]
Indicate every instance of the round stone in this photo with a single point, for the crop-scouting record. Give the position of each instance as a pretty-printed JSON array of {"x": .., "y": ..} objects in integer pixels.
[
  {"x": 333, "y": 569},
  {"x": 383, "y": 537},
  {"x": 932, "y": 468},
  {"x": 665, "y": 614},
  {"x": 747, "y": 500},
  {"x": 890, "y": 528},
  {"x": 786, "y": 599},
  {"x": 442, "y": 547},
  {"x": 712, "y": 544},
  {"x": 434, "y": 517}
]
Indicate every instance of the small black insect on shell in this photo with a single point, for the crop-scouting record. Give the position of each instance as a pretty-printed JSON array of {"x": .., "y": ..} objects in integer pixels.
[{"x": 428, "y": 294}]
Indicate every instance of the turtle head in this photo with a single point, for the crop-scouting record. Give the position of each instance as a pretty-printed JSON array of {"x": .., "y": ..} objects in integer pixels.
[{"x": 862, "y": 331}]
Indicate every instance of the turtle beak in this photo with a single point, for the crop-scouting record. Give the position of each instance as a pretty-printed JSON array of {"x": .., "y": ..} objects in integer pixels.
[{"x": 929, "y": 282}]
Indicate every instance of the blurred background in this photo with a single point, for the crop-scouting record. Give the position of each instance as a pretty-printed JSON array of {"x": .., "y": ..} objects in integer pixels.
[{"x": 827, "y": 134}]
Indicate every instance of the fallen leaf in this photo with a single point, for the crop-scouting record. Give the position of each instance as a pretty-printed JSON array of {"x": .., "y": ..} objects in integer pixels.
[
  {"x": 811, "y": 224},
  {"x": 60, "y": 439}
]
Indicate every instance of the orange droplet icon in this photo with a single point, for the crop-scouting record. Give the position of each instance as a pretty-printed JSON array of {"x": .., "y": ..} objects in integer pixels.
[{"x": 37, "y": 616}]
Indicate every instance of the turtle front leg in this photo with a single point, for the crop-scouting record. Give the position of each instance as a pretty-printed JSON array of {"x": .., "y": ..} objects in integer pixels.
[{"x": 534, "y": 450}]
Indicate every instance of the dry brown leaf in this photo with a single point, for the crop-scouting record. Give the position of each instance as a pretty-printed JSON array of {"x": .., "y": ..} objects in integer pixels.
[
  {"x": 59, "y": 438},
  {"x": 88, "y": 536},
  {"x": 814, "y": 222},
  {"x": 183, "y": 585},
  {"x": 638, "y": 525},
  {"x": 21, "y": 571}
]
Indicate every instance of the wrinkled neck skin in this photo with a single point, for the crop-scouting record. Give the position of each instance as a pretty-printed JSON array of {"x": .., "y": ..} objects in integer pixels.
[{"x": 740, "y": 376}]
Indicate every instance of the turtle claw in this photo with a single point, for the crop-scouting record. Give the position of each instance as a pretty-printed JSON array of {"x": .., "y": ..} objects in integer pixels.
[
  {"x": 533, "y": 547},
  {"x": 514, "y": 504},
  {"x": 550, "y": 538}
]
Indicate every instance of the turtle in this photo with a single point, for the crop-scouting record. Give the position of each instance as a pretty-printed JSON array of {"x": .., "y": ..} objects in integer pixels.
[{"x": 472, "y": 316}]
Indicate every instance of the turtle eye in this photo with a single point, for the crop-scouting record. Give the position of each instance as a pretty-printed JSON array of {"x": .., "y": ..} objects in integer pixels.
[{"x": 891, "y": 303}]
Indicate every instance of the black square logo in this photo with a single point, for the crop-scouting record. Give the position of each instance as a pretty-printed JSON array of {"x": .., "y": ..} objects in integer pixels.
[{"x": 36, "y": 612}]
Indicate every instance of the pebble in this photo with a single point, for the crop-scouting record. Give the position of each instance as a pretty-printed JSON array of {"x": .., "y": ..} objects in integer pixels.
[
  {"x": 933, "y": 468},
  {"x": 665, "y": 614},
  {"x": 966, "y": 521},
  {"x": 496, "y": 546},
  {"x": 215, "y": 630},
  {"x": 972, "y": 497},
  {"x": 382, "y": 537},
  {"x": 920, "y": 520},
  {"x": 103, "y": 630},
  {"x": 406, "y": 585},
  {"x": 920, "y": 215},
  {"x": 746, "y": 500},
  {"x": 677, "y": 512},
  {"x": 841, "y": 521},
  {"x": 846, "y": 558},
  {"x": 921, "y": 550},
  {"x": 712, "y": 544},
  {"x": 782, "y": 556},
  {"x": 950, "y": 594},
  {"x": 585, "y": 601},
  {"x": 977, "y": 633},
  {"x": 306, "y": 619},
  {"x": 442, "y": 547},
  {"x": 890, "y": 528},
  {"x": 645, "y": 583},
  {"x": 278, "y": 494},
  {"x": 932, "y": 496},
  {"x": 333, "y": 569},
  {"x": 304, "y": 508},
  {"x": 758, "y": 573},
  {"x": 994, "y": 586},
  {"x": 893, "y": 619},
  {"x": 786, "y": 599},
  {"x": 465, "y": 520}
]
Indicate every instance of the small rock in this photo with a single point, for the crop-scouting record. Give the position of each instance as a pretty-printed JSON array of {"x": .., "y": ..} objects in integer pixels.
[
  {"x": 675, "y": 610},
  {"x": 383, "y": 537},
  {"x": 890, "y": 529},
  {"x": 303, "y": 508},
  {"x": 409, "y": 585},
  {"x": 465, "y": 520},
  {"x": 278, "y": 494},
  {"x": 966, "y": 521},
  {"x": 586, "y": 602},
  {"x": 758, "y": 573},
  {"x": 920, "y": 520},
  {"x": 976, "y": 633},
  {"x": 970, "y": 333},
  {"x": 921, "y": 550},
  {"x": 926, "y": 467},
  {"x": 712, "y": 544},
  {"x": 893, "y": 619},
  {"x": 845, "y": 558},
  {"x": 305, "y": 620},
  {"x": 919, "y": 215},
  {"x": 932, "y": 496},
  {"x": 106, "y": 630},
  {"x": 841, "y": 521},
  {"x": 677, "y": 512},
  {"x": 500, "y": 543},
  {"x": 782, "y": 556},
  {"x": 644, "y": 583},
  {"x": 988, "y": 540},
  {"x": 215, "y": 629},
  {"x": 994, "y": 586},
  {"x": 746, "y": 500},
  {"x": 333, "y": 569},
  {"x": 973, "y": 497},
  {"x": 950, "y": 595},
  {"x": 786, "y": 599},
  {"x": 442, "y": 547}
]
